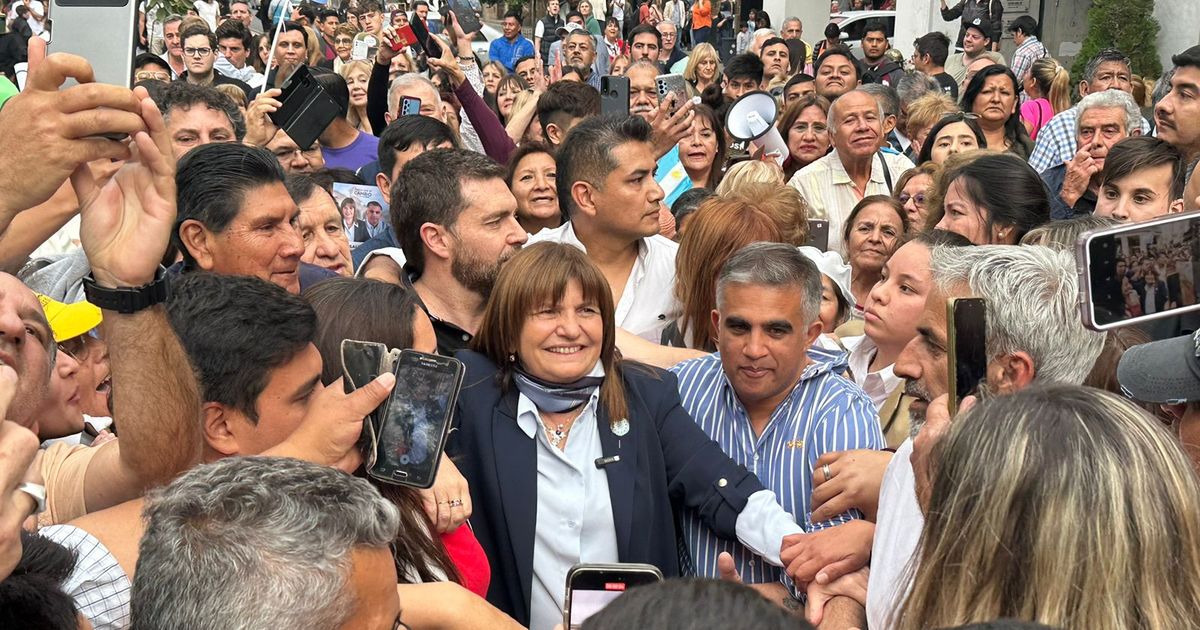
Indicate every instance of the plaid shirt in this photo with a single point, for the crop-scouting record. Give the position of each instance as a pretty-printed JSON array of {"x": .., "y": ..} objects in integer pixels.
[
  {"x": 1023, "y": 58},
  {"x": 1056, "y": 142}
]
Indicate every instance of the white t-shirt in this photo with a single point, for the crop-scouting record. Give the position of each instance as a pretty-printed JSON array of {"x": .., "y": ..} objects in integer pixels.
[
  {"x": 208, "y": 11},
  {"x": 897, "y": 533},
  {"x": 35, "y": 6}
]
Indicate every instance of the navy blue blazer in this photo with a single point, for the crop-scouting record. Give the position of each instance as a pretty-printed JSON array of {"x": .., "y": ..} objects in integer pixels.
[{"x": 667, "y": 462}]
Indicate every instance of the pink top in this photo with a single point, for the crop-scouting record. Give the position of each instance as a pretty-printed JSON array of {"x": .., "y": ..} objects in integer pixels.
[{"x": 1037, "y": 113}]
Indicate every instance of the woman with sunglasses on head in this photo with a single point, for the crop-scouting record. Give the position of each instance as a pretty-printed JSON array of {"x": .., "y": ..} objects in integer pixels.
[
  {"x": 992, "y": 96},
  {"x": 957, "y": 132}
]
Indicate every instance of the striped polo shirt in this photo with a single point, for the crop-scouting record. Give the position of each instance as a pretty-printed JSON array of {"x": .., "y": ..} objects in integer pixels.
[{"x": 824, "y": 412}]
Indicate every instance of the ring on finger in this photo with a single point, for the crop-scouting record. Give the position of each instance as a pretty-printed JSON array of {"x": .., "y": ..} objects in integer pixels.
[
  {"x": 455, "y": 503},
  {"x": 828, "y": 473}
]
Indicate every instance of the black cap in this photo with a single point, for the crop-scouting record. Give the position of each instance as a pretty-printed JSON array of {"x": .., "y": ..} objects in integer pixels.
[{"x": 981, "y": 26}]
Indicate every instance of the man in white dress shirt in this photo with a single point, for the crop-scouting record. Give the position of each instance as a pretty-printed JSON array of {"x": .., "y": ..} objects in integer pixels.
[
  {"x": 856, "y": 168},
  {"x": 606, "y": 183}
]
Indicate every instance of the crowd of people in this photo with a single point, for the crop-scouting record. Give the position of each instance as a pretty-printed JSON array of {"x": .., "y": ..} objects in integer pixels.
[{"x": 679, "y": 348}]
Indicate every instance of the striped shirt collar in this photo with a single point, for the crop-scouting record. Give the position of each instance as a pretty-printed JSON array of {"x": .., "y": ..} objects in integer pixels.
[{"x": 822, "y": 361}]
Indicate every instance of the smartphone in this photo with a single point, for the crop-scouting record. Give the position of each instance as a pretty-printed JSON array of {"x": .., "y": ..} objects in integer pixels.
[
  {"x": 818, "y": 234},
  {"x": 102, "y": 31},
  {"x": 591, "y": 587},
  {"x": 363, "y": 362},
  {"x": 427, "y": 42},
  {"x": 306, "y": 110},
  {"x": 416, "y": 419},
  {"x": 1139, "y": 272},
  {"x": 614, "y": 96},
  {"x": 671, "y": 84},
  {"x": 410, "y": 106},
  {"x": 966, "y": 340},
  {"x": 465, "y": 12}
]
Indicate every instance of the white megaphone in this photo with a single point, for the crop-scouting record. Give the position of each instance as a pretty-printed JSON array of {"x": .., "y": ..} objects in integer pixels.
[{"x": 752, "y": 118}]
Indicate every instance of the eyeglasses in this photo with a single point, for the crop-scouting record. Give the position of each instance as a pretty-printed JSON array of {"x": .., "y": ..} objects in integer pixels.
[
  {"x": 284, "y": 154},
  {"x": 343, "y": 40},
  {"x": 151, "y": 76},
  {"x": 75, "y": 348},
  {"x": 959, "y": 116},
  {"x": 918, "y": 199},
  {"x": 197, "y": 52},
  {"x": 400, "y": 625}
]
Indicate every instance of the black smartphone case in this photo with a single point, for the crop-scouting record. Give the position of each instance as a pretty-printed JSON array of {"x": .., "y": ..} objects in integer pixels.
[{"x": 306, "y": 109}]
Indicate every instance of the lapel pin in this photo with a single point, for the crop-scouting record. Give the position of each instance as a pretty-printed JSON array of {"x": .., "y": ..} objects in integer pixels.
[{"x": 621, "y": 427}]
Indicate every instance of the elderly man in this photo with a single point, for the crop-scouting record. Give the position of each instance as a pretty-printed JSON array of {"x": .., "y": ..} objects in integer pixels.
[
  {"x": 1105, "y": 118},
  {"x": 579, "y": 49},
  {"x": 669, "y": 53},
  {"x": 236, "y": 217},
  {"x": 771, "y": 404},
  {"x": 855, "y": 169},
  {"x": 1034, "y": 336},
  {"x": 1056, "y": 142}
]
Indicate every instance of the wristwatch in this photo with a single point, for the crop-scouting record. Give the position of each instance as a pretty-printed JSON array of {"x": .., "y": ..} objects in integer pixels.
[{"x": 127, "y": 300}]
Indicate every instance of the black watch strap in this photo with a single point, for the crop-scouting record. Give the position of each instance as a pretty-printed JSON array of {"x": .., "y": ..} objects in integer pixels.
[{"x": 128, "y": 300}]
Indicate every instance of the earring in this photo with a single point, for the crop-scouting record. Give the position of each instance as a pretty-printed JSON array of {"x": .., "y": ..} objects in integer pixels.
[{"x": 512, "y": 358}]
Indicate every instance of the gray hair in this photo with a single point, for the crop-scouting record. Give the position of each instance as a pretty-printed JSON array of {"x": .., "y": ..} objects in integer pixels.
[
  {"x": 885, "y": 95},
  {"x": 256, "y": 542},
  {"x": 1115, "y": 99},
  {"x": 829, "y": 118},
  {"x": 794, "y": 19},
  {"x": 1032, "y": 294},
  {"x": 1104, "y": 56},
  {"x": 915, "y": 84},
  {"x": 1162, "y": 87},
  {"x": 410, "y": 79},
  {"x": 773, "y": 265}
]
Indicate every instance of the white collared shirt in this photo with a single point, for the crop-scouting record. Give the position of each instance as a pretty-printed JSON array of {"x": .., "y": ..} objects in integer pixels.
[
  {"x": 878, "y": 385},
  {"x": 648, "y": 302},
  {"x": 830, "y": 193},
  {"x": 574, "y": 509}
]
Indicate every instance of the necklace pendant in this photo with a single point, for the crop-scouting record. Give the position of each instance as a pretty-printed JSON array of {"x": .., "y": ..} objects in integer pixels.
[{"x": 620, "y": 428}]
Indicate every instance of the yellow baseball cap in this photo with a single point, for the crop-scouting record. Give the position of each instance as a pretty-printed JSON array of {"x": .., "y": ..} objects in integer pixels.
[{"x": 68, "y": 321}]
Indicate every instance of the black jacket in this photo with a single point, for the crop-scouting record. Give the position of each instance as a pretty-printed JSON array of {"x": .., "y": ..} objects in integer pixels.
[{"x": 666, "y": 462}]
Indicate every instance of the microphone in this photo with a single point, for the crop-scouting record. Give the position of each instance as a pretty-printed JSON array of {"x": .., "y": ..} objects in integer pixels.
[{"x": 601, "y": 462}]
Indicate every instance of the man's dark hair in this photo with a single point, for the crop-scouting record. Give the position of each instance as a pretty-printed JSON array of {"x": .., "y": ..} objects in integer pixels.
[
  {"x": 1189, "y": 58},
  {"x": 307, "y": 10},
  {"x": 301, "y": 186},
  {"x": 196, "y": 30},
  {"x": 290, "y": 25},
  {"x": 374, "y": 203},
  {"x": 213, "y": 180},
  {"x": 572, "y": 14},
  {"x": 745, "y": 66},
  {"x": 335, "y": 86},
  {"x": 1025, "y": 24},
  {"x": 689, "y": 202},
  {"x": 832, "y": 30},
  {"x": 797, "y": 79},
  {"x": 515, "y": 14},
  {"x": 572, "y": 98},
  {"x": 645, "y": 28},
  {"x": 420, "y": 3},
  {"x": 366, "y": 6},
  {"x": 325, "y": 14},
  {"x": 236, "y": 331},
  {"x": 430, "y": 190},
  {"x": 1142, "y": 152},
  {"x": 774, "y": 41},
  {"x": 233, "y": 29},
  {"x": 150, "y": 59},
  {"x": 32, "y": 595},
  {"x": 22, "y": 11},
  {"x": 875, "y": 26},
  {"x": 518, "y": 62},
  {"x": 587, "y": 153},
  {"x": 934, "y": 44},
  {"x": 838, "y": 51},
  {"x": 184, "y": 96},
  {"x": 406, "y": 131},
  {"x": 694, "y": 603}
]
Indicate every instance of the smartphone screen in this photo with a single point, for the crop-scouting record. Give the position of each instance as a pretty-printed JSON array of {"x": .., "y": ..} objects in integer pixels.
[
  {"x": 413, "y": 429},
  {"x": 591, "y": 587},
  {"x": 1140, "y": 272},
  {"x": 967, "y": 341}
]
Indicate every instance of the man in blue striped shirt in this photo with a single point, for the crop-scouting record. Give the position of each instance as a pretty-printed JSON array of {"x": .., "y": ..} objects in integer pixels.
[{"x": 772, "y": 402}]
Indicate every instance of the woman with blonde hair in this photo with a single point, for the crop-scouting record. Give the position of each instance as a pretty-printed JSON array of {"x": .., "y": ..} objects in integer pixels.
[
  {"x": 1049, "y": 89},
  {"x": 703, "y": 69},
  {"x": 750, "y": 172},
  {"x": 357, "y": 74},
  {"x": 924, "y": 113},
  {"x": 1065, "y": 506},
  {"x": 547, "y": 405}
]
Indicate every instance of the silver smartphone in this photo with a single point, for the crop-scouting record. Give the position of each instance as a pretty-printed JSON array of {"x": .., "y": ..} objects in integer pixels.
[
  {"x": 1139, "y": 272},
  {"x": 671, "y": 84},
  {"x": 102, "y": 31},
  {"x": 591, "y": 587}
]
